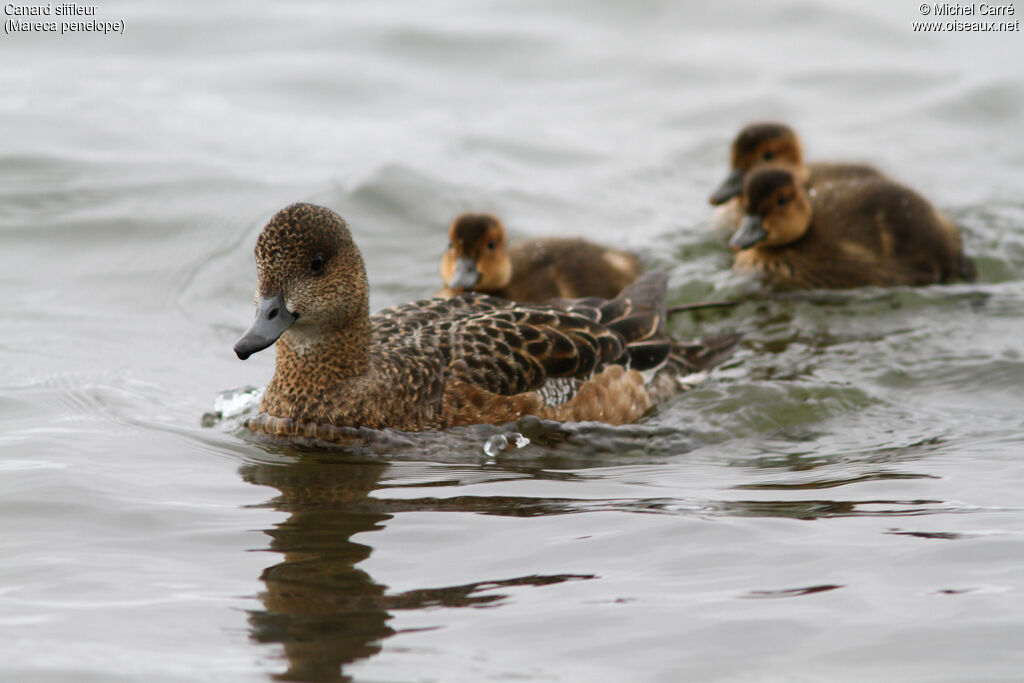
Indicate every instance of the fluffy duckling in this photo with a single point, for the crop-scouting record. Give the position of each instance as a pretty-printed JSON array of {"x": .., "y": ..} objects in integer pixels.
[
  {"x": 442, "y": 362},
  {"x": 873, "y": 232},
  {"x": 777, "y": 144},
  {"x": 533, "y": 271}
]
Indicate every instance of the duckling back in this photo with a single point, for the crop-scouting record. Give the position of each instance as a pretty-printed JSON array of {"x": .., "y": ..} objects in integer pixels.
[
  {"x": 825, "y": 172},
  {"x": 905, "y": 239},
  {"x": 840, "y": 235},
  {"x": 545, "y": 269}
]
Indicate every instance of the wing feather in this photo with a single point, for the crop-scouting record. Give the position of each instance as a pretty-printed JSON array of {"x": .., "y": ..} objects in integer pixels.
[{"x": 508, "y": 348}]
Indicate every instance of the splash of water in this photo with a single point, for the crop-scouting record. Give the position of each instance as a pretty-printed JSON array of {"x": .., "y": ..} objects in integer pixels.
[{"x": 502, "y": 442}]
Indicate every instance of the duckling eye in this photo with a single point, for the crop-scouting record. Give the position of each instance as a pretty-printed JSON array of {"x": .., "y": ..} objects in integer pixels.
[
  {"x": 781, "y": 200},
  {"x": 492, "y": 244},
  {"x": 316, "y": 266},
  {"x": 768, "y": 156},
  {"x": 451, "y": 245}
]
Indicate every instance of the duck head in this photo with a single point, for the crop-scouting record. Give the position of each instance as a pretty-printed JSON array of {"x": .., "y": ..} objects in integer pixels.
[
  {"x": 756, "y": 145},
  {"x": 776, "y": 209},
  {"x": 477, "y": 258},
  {"x": 310, "y": 278}
]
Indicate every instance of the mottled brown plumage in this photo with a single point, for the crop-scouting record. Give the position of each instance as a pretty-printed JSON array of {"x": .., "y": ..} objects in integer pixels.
[
  {"x": 437, "y": 363},
  {"x": 479, "y": 259},
  {"x": 871, "y": 232}
]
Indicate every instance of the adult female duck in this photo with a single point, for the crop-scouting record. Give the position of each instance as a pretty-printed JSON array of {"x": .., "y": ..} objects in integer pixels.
[{"x": 437, "y": 363}]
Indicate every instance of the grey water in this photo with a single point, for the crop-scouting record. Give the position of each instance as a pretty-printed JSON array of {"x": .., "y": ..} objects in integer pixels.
[{"x": 841, "y": 501}]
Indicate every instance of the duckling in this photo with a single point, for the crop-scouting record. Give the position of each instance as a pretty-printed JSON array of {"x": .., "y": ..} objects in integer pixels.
[
  {"x": 437, "y": 363},
  {"x": 874, "y": 232},
  {"x": 775, "y": 143},
  {"x": 532, "y": 271}
]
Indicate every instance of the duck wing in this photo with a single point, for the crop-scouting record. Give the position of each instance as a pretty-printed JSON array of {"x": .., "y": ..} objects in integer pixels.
[
  {"x": 391, "y": 325},
  {"x": 637, "y": 315},
  {"x": 508, "y": 348}
]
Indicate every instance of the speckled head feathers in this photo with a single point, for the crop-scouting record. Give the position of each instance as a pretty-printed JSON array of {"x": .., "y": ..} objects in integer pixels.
[
  {"x": 306, "y": 253},
  {"x": 301, "y": 240}
]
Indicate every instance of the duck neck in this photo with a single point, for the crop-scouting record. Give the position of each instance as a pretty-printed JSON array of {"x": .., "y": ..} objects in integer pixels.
[
  {"x": 318, "y": 369},
  {"x": 319, "y": 358},
  {"x": 322, "y": 369}
]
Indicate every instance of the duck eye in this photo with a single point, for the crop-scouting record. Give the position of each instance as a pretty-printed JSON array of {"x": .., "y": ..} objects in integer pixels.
[
  {"x": 316, "y": 266},
  {"x": 451, "y": 245},
  {"x": 768, "y": 156},
  {"x": 781, "y": 200},
  {"x": 492, "y": 244}
]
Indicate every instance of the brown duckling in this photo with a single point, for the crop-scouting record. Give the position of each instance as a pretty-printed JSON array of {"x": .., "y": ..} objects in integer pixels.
[
  {"x": 436, "y": 363},
  {"x": 873, "y": 232},
  {"x": 531, "y": 271},
  {"x": 775, "y": 143}
]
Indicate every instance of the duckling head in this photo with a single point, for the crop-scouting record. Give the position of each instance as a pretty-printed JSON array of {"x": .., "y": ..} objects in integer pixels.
[
  {"x": 476, "y": 258},
  {"x": 776, "y": 207},
  {"x": 310, "y": 278},
  {"x": 756, "y": 145}
]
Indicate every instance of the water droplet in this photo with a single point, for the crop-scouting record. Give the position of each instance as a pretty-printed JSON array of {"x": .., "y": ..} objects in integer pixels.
[{"x": 496, "y": 444}]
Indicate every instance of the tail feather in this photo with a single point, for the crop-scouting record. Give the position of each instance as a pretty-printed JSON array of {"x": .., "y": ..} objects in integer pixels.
[
  {"x": 636, "y": 320},
  {"x": 636, "y": 327},
  {"x": 646, "y": 355},
  {"x": 704, "y": 353},
  {"x": 647, "y": 291}
]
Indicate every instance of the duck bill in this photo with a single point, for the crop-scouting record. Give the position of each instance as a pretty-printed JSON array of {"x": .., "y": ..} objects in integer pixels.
[
  {"x": 731, "y": 187},
  {"x": 465, "y": 276},
  {"x": 272, "y": 319},
  {"x": 750, "y": 233}
]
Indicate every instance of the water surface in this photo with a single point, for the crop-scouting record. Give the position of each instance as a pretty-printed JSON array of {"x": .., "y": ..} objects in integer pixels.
[{"x": 840, "y": 502}]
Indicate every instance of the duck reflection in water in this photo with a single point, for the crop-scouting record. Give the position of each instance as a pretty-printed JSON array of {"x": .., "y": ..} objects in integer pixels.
[{"x": 318, "y": 606}]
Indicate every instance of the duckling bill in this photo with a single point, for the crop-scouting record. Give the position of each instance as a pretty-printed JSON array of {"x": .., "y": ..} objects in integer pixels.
[
  {"x": 438, "y": 363},
  {"x": 480, "y": 259},
  {"x": 873, "y": 232}
]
